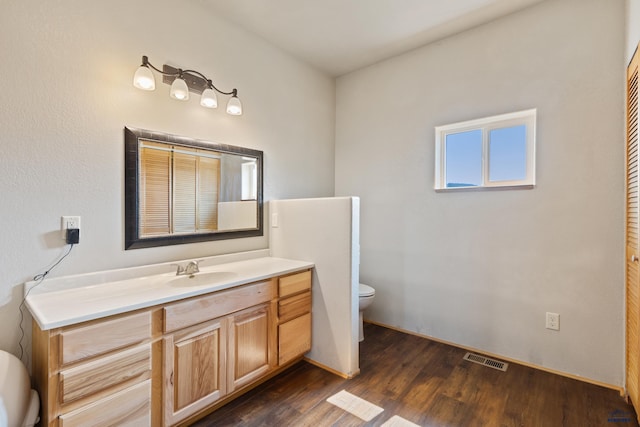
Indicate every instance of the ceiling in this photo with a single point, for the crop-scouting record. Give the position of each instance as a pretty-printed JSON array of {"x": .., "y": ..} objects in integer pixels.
[{"x": 339, "y": 36}]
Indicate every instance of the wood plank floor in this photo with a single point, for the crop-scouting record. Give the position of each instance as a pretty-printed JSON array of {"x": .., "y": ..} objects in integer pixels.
[{"x": 429, "y": 384}]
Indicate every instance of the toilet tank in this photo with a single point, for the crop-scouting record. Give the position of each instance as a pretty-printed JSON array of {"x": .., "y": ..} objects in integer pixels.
[{"x": 15, "y": 391}]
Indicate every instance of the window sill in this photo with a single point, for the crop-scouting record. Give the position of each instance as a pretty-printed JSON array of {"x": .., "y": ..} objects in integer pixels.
[{"x": 500, "y": 188}]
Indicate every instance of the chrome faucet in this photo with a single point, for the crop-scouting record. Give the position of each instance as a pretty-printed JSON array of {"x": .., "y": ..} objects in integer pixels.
[{"x": 189, "y": 270}]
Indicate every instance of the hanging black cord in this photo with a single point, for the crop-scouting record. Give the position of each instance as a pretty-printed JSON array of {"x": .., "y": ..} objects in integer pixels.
[{"x": 37, "y": 278}]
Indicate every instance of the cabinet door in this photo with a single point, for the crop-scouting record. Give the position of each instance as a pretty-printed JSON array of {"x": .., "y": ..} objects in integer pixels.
[
  {"x": 294, "y": 338},
  {"x": 251, "y": 352},
  {"x": 194, "y": 369}
]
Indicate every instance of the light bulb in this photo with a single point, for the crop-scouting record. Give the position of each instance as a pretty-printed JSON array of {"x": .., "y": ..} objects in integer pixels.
[
  {"x": 209, "y": 98},
  {"x": 179, "y": 90},
  {"x": 143, "y": 78},
  {"x": 234, "y": 106}
]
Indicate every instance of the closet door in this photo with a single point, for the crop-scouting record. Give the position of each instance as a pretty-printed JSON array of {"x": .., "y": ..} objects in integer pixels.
[{"x": 632, "y": 276}]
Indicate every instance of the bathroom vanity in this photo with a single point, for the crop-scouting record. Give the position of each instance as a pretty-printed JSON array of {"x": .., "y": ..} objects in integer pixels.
[{"x": 166, "y": 350}]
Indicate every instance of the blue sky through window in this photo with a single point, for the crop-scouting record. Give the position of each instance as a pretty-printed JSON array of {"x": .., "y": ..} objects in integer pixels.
[
  {"x": 507, "y": 156},
  {"x": 508, "y": 153},
  {"x": 464, "y": 159}
]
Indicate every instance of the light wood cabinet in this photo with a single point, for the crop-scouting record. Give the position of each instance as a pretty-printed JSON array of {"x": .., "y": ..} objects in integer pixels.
[
  {"x": 194, "y": 369},
  {"x": 294, "y": 338},
  {"x": 104, "y": 372},
  {"x": 251, "y": 348},
  {"x": 170, "y": 364},
  {"x": 230, "y": 346},
  {"x": 85, "y": 370},
  {"x": 200, "y": 309},
  {"x": 130, "y": 407},
  {"x": 78, "y": 343},
  {"x": 294, "y": 283},
  {"x": 294, "y": 316}
]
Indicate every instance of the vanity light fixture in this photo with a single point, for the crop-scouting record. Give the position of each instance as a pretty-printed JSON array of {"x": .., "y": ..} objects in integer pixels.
[{"x": 184, "y": 81}]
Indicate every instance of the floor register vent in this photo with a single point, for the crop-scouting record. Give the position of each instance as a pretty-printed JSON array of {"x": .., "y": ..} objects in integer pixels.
[{"x": 481, "y": 360}]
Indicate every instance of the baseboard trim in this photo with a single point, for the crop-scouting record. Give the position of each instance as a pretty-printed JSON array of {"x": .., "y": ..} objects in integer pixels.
[
  {"x": 333, "y": 371},
  {"x": 508, "y": 359}
]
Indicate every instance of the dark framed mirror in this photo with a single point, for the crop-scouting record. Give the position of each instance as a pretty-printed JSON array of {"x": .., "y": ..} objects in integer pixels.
[{"x": 182, "y": 190}]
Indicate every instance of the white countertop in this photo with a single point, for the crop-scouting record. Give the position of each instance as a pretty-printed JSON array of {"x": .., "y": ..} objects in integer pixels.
[{"x": 56, "y": 306}]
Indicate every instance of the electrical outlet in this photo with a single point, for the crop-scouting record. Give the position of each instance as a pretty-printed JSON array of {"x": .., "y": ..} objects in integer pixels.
[
  {"x": 553, "y": 321},
  {"x": 69, "y": 222}
]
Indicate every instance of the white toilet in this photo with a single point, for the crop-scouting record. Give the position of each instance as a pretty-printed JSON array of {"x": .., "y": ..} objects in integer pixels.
[
  {"x": 367, "y": 293},
  {"x": 19, "y": 404}
]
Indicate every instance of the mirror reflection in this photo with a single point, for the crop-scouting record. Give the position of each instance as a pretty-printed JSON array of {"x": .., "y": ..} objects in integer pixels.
[{"x": 181, "y": 190}]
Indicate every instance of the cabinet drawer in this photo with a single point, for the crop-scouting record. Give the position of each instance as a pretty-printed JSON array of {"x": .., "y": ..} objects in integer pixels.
[
  {"x": 102, "y": 373},
  {"x": 295, "y": 283},
  {"x": 102, "y": 337},
  {"x": 292, "y": 307},
  {"x": 130, "y": 407},
  {"x": 201, "y": 309},
  {"x": 294, "y": 338}
]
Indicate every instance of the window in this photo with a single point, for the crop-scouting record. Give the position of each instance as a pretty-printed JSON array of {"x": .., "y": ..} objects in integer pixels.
[
  {"x": 249, "y": 170},
  {"x": 496, "y": 151}
]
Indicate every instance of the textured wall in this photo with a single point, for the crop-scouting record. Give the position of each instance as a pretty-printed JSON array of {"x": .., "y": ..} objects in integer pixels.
[
  {"x": 66, "y": 85},
  {"x": 632, "y": 27},
  {"x": 481, "y": 268}
]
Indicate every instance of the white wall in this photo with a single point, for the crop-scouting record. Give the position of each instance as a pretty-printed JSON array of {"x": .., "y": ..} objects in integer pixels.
[
  {"x": 66, "y": 85},
  {"x": 632, "y": 27},
  {"x": 480, "y": 269},
  {"x": 325, "y": 231}
]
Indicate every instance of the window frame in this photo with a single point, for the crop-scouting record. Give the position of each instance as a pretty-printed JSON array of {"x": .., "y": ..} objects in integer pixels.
[{"x": 486, "y": 125}]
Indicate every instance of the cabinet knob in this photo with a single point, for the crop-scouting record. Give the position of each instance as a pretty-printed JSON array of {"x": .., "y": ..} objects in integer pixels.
[{"x": 634, "y": 258}]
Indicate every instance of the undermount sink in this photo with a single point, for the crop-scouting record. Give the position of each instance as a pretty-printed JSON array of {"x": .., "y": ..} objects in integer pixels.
[{"x": 203, "y": 279}]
